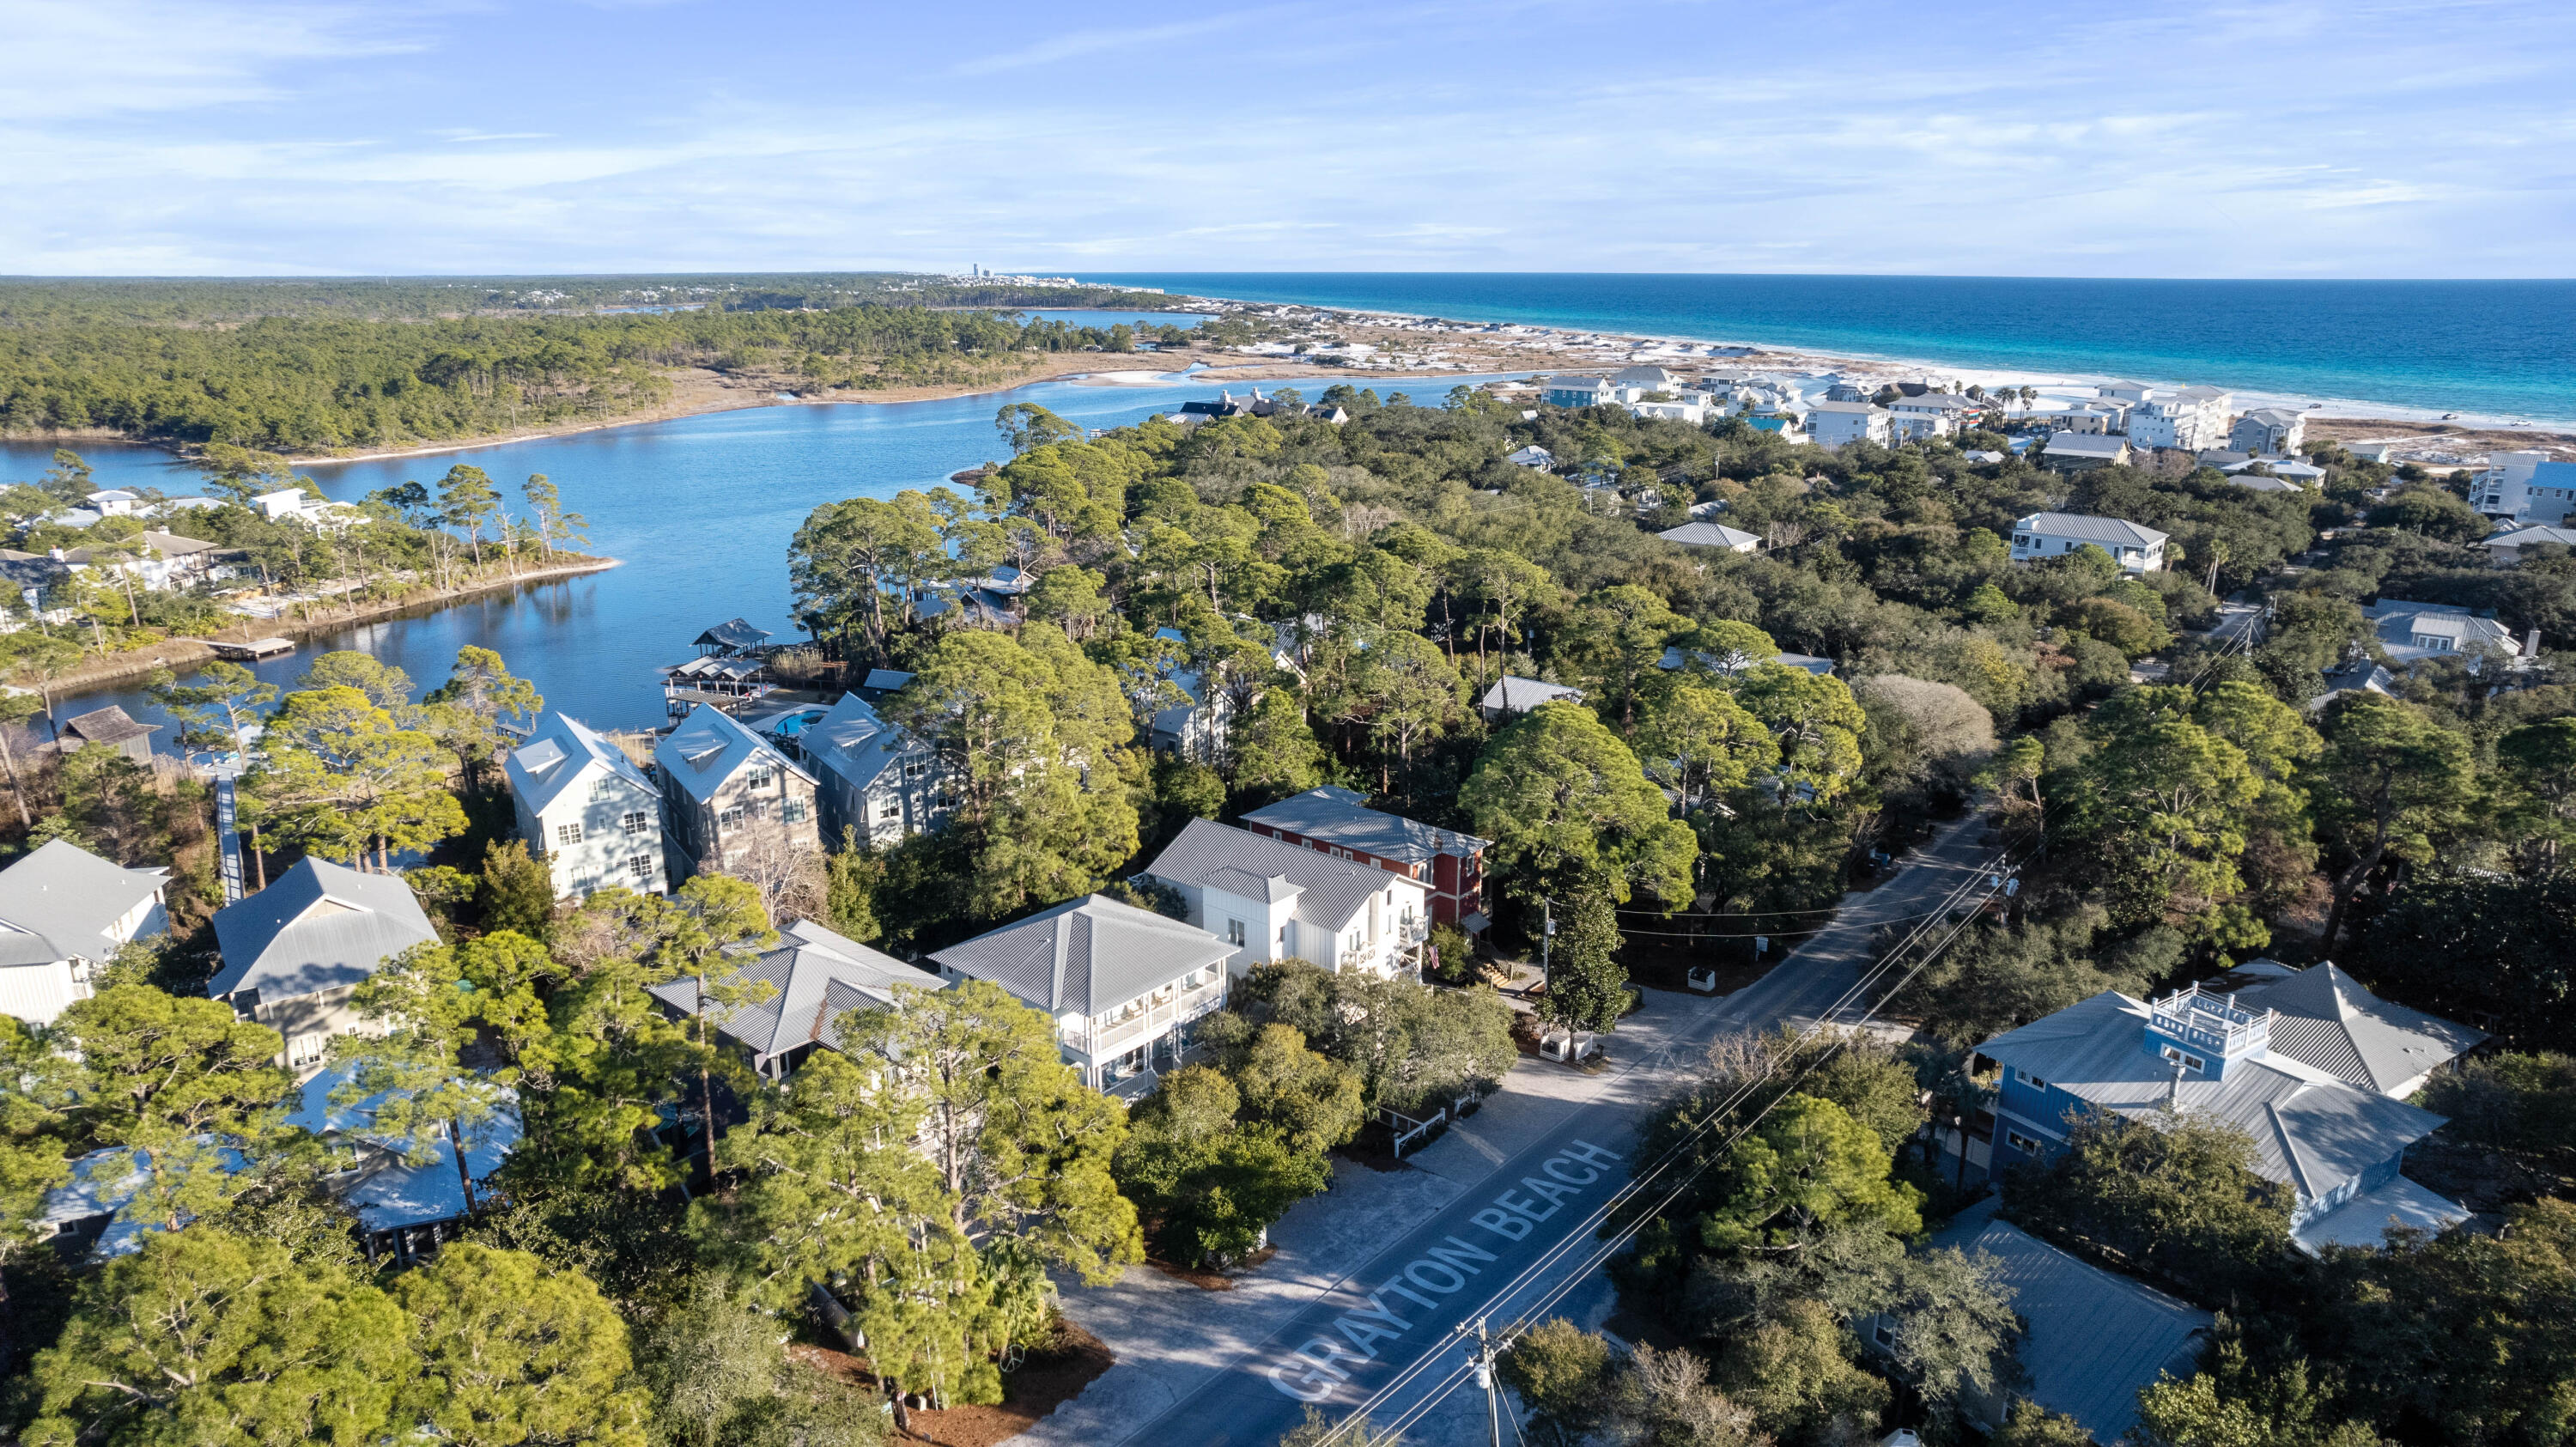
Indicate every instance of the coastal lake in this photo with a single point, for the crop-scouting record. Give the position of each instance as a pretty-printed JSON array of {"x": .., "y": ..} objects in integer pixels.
[{"x": 699, "y": 511}]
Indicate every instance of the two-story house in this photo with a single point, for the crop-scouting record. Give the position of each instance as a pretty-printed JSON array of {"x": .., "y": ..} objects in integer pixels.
[
  {"x": 1272, "y": 900},
  {"x": 63, "y": 913},
  {"x": 586, "y": 810},
  {"x": 727, "y": 793},
  {"x": 294, "y": 952},
  {"x": 815, "y": 977},
  {"x": 1832, "y": 424},
  {"x": 874, "y": 776},
  {"x": 2337, "y": 1146},
  {"x": 1123, "y": 984},
  {"x": 2052, "y": 534},
  {"x": 2077, "y": 451},
  {"x": 1335, "y": 821}
]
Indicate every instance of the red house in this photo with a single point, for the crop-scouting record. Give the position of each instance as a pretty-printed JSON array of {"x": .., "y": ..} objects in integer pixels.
[{"x": 1338, "y": 822}]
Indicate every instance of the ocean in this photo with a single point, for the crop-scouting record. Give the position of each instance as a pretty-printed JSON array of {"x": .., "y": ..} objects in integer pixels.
[{"x": 2503, "y": 349}]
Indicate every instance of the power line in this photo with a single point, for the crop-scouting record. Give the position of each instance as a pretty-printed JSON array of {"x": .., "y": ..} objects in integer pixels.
[{"x": 1639, "y": 1184}]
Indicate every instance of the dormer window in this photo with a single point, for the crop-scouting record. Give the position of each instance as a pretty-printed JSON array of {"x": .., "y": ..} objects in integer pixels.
[{"x": 2185, "y": 1058}]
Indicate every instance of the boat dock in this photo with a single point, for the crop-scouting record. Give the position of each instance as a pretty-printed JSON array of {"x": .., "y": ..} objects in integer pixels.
[{"x": 257, "y": 648}]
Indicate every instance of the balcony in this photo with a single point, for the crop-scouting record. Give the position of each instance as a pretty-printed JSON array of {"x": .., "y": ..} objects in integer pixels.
[{"x": 1165, "y": 1010}]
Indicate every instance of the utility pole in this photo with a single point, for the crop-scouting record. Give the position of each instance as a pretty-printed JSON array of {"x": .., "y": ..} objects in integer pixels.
[
  {"x": 1546, "y": 938},
  {"x": 1486, "y": 1350}
]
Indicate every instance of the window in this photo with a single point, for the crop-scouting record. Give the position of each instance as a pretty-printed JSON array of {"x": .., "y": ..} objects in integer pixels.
[
  {"x": 758, "y": 781},
  {"x": 638, "y": 822},
  {"x": 1882, "y": 1335},
  {"x": 2021, "y": 1143},
  {"x": 307, "y": 1049},
  {"x": 1283, "y": 939},
  {"x": 792, "y": 810},
  {"x": 2033, "y": 1081},
  {"x": 641, "y": 866},
  {"x": 914, "y": 768},
  {"x": 2185, "y": 1058},
  {"x": 603, "y": 786},
  {"x": 567, "y": 834},
  {"x": 1234, "y": 933}
]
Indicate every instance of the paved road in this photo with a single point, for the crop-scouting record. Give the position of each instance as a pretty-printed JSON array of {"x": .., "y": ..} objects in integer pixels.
[{"x": 1525, "y": 1186}]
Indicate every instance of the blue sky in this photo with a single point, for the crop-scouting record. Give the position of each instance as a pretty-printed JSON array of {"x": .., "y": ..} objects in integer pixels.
[{"x": 219, "y": 137}]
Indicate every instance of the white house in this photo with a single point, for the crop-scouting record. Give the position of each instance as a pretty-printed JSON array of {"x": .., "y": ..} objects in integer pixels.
[
  {"x": 2051, "y": 534},
  {"x": 1711, "y": 535},
  {"x": 114, "y": 502},
  {"x": 1833, "y": 424},
  {"x": 2191, "y": 419},
  {"x": 873, "y": 776},
  {"x": 2268, "y": 431},
  {"x": 586, "y": 810},
  {"x": 2527, "y": 487},
  {"x": 294, "y": 952},
  {"x": 63, "y": 912},
  {"x": 1123, "y": 984},
  {"x": 1905, "y": 426},
  {"x": 1532, "y": 456},
  {"x": 1693, "y": 410},
  {"x": 1272, "y": 900}
]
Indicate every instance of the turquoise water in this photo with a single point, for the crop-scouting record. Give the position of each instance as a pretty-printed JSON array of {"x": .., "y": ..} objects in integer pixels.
[
  {"x": 2498, "y": 348},
  {"x": 700, "y": 510}
]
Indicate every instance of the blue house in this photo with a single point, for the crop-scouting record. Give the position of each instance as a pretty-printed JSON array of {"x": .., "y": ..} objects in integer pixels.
[{"x": 2336, "y": 1144}]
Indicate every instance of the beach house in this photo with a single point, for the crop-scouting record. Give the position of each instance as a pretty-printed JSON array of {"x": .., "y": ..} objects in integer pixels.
[
  {"x": 1712, "y": 535},
  {"x": 730, "y": 797},
  {"x": 64, "y": 912},
  {"x": 2190, "y": 419},
  {"x": 2054, "y": 534},
  {"x": 1272, "y": 900},
  {"x": 872, "y": 775},
  {"x": 586, "y": 810},
  {"x": 1123, "y": 985},
  {"x": 2268, "y": 432},
  {"x": 1338, "y": 822},
  {"x": 814, "y": 977},
  {"x": 2084, "y": 451},
  {"x": 2525, "y": 487},
  {"x": 294, "y": 952},
  {"x": 1832, "y": 424},
  {"x": 2277, "y": 1063}
]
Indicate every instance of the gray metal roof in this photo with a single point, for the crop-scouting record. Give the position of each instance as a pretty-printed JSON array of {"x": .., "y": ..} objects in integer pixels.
[
  {"x": 59, "y": 901},
  {"x": 853, "y": 741},
  {"x": 888, "y": 679},
  {"x": 816, "y": 976},
  {"x": 1710, "y": 535},
  {"x": 559, "y": 754},
  {"x": 733, "y": 633},
  {"x": 709, "y": 747},
  {"x": 1339, "y": 816},
  {"x": 2535, "y": 533},
  {"x": 316, "y": 927},
  {"x": 1086, "y": 955},
  {"x": 2087, "y": 444},
  {"x": 1519, "y": 695},
  {"x": 2329, "y": 1021},
  {"x": 2310, "y": 1130},
  {"x": 2111, "y": 532},
  {"x": 2094, "y": 1338},
  {"x": 1330, "y": 892}
]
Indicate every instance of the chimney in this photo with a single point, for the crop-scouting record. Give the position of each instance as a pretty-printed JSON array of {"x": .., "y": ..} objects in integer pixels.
[
  {"x": 2531, "y": 644},
  {"x": 2173, "y": 1089},
  {"x": 55, "y": 553}
]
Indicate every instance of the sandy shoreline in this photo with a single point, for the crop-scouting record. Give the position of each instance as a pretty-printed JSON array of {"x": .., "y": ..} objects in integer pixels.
[{"x": 1465, "y": 350}]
